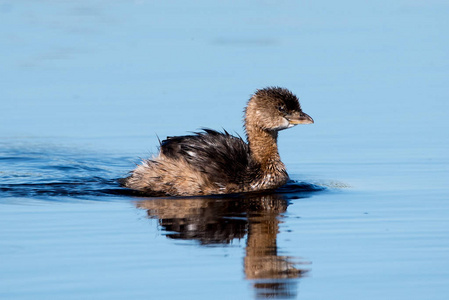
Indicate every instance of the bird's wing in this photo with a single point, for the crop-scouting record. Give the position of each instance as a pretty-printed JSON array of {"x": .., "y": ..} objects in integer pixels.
[{"x": 222, "y": 157}]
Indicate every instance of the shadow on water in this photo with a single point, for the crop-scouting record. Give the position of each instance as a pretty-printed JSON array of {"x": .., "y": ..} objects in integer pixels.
[{"x": 220, "y": 220}]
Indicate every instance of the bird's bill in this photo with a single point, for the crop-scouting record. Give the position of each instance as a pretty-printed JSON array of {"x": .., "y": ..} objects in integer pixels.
[{"x": 302, "y": 119}]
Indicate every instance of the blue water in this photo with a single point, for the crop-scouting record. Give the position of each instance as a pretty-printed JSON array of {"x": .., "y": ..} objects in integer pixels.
[{"x": 87, "y": 87}]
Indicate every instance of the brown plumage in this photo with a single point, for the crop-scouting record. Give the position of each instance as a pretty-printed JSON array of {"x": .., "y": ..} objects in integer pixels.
[{"x": 211, "y": 162}]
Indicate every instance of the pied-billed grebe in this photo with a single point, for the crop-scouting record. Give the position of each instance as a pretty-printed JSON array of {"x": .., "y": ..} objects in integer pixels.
[{"x": 211, "y": 162}]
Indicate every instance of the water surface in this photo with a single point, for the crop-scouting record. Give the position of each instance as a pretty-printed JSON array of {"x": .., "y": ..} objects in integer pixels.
[{"x": 87, "y": 88}]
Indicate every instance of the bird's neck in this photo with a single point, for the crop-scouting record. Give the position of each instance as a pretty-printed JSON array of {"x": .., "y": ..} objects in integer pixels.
[
  {"x": 263, "y": 146},
  {"x": 264, "y": 151}
]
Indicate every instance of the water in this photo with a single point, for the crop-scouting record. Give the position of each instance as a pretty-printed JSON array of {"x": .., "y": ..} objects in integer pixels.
[{"x": 88, "y": 86}]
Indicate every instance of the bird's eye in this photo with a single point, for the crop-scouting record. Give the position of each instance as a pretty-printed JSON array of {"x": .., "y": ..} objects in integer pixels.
[{"x": 281, "y": 108}]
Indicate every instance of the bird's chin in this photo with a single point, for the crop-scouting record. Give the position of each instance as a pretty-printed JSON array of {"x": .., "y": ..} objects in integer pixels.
[{"x": 285, "y": 124}]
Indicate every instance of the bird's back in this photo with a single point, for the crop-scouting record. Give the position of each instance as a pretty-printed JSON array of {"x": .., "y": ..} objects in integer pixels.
[{"x": 223, "y": 158}]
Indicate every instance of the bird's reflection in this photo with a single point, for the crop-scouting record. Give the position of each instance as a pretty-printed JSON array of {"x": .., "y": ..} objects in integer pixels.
[{"x": 219, "y": 220}]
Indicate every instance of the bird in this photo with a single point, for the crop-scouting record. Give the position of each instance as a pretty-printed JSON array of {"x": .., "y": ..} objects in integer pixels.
[{"x": 209, "y": 162}]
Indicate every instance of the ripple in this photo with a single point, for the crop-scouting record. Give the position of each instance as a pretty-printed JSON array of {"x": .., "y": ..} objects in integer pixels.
[{"x": 49, "y": 173}]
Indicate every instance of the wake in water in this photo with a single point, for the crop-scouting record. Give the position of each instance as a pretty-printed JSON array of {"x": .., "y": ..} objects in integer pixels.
[
  {"x": 48, "y": 172},
  {"x": 101, "y": 187},
  {"x": 55, "y": 173}
]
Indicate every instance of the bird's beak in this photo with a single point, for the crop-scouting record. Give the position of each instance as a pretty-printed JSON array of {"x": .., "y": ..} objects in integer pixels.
[{"x": 303, "y": 118}]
